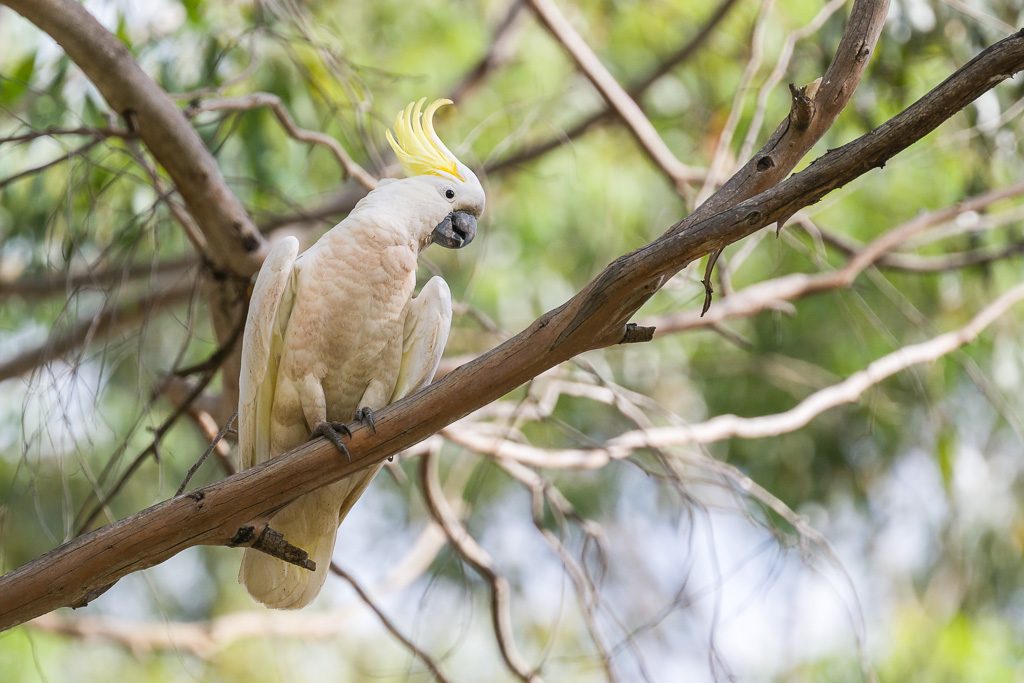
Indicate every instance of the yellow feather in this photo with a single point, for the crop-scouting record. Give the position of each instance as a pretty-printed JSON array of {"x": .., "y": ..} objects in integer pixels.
[{"x": 419, "y": 149}]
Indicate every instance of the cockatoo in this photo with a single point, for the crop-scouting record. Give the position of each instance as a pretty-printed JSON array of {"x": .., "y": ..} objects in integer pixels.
[{"x": 337, "y": 332}]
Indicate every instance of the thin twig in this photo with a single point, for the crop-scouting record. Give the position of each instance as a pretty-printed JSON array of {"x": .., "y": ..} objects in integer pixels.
[
  {"x": 29, "y": 172},
  {"x": 721, "y": 162},
  {"x": 482, "y": 562},
  {"x": 617, "y": 98},
  {"x": 274, "y": 103},
  {"x": 103, "y": 323},
  {"x": 427, "y": 660},
  {"x": 499, "y": 51},
  {"x": 108, "y": 132},
  {"x": 635, "y": 90},
  {"x": 209, "y": 449}
]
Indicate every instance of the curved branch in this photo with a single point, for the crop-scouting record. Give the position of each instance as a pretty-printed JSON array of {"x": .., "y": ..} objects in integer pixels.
[
  {"x": 234, "y": 244},
  {"x": 722, "y": 427},
  {"x": 482, "y": 562},
  {"x": 274, "y": 103},
  {"x": 593, "y": 318}
]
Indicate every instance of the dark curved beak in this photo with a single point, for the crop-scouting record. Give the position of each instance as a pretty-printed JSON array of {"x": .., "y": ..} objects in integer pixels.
[{"x": 456, "y": 230}]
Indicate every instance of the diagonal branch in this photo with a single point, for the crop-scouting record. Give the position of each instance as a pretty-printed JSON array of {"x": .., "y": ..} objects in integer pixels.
[
  {"x": 593, "y": 318},
  {"x": 772, "y": 294},
  {"x": 428, "y": 661},
  {"x": 635, "y": 90},
  {"x": 499, "y": 51},
  {"x": 618, "y": 99}
]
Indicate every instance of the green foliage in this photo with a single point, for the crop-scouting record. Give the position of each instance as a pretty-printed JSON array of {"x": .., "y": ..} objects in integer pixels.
[{"x": 76, "y": 424}]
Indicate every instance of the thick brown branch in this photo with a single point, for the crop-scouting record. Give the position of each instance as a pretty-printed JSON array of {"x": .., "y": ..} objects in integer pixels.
[
  {"x": 235, "y": 246},
  {"x": 591, "y": 319},
  {"x": 788, "y": 144}
]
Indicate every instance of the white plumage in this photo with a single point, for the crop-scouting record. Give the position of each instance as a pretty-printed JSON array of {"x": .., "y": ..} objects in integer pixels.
[{"x": 338, "y": 329}]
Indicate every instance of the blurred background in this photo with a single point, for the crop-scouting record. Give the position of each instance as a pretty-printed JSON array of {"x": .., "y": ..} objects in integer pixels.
[{"x": 883, "y": 537}]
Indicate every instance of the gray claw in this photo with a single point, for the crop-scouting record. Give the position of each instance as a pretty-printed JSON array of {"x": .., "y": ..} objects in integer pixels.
[
  {"x": 366, "y": 415},
  {"x": 329, "y": 430}
]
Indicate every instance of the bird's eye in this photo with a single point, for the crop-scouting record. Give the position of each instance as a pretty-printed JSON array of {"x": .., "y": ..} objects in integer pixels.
[{"x": 449, "y": 193}]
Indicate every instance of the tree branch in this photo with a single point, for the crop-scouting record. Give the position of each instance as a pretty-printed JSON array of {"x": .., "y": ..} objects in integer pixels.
[
  {"x": 772, "y": 294},
  {"x": 722, "y": 427},
  {"x": 235, "y": 245},
  {"x": 634, "y": 91},
  {"x": 482, "y": 562},
  {"x": 593, "y": 318},
  {"x": 101, "y": 324},
  {"x": 618, "y": 99},
  {"x": 274, "y": 103},
  {"x": 428, "y": 661}
]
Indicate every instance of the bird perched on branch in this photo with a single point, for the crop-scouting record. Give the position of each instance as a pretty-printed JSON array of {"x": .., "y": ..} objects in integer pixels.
[{"x": 337, "y": 332}]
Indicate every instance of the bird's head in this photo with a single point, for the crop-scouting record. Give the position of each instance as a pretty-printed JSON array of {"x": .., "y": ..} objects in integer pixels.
[{"x": 447, "y": 193}]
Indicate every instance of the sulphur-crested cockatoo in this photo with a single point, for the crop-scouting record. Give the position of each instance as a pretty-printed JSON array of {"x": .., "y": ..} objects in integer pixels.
[{"x": 337, "y": 332}]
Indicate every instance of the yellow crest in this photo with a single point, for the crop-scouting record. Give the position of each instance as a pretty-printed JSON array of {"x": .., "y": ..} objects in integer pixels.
[{"x": 419, "y": 149}]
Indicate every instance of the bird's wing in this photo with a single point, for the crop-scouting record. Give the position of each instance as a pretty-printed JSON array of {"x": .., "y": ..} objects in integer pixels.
[
  {"x": 269, "y": 310},
  {"x": 427, "y": 322}
]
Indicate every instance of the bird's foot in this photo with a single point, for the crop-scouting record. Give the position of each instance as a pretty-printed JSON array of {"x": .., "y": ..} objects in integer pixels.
[
  {"x": 330, "y": 431},
  {"x": 366, "y": 415}
]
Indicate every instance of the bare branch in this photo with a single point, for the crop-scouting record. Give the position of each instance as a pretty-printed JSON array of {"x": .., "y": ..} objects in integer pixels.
[
  {"x": 103, "y": 323},
  {"x": 773, "y": 294},
  {"x": 482, "y": 562},
  {"x": 427, "y": 660},
  {"x": 269, "y": 541},
  {"x": 235, "y": 246},
  {"x": 635, "y": 91},
  {"x": 216, "y": 362},
  {"x": 499, "y": 51},
  {"x": 87, "y": 131},
  {"x": 29, "y": 172},
  {"x": 49, "y": 285},
  {"x": 724, "y": 427},
  {"x": 274, "y": 103},
  {"x": 788, "y": 144},
  {"x": 722, "y": 161},
  {"x": 618, "y": 99},
  {"x": 848, "y": 391},
  {"x": 217, "y": 440},
  {"x": 203, "y": 639}
]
